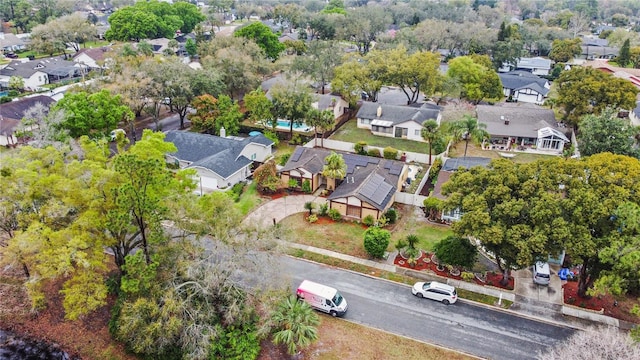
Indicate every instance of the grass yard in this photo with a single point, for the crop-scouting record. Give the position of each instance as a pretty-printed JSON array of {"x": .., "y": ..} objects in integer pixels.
[
  {"x": 337, "y": 341},
  {"x": 347, "y": 237},
  {"x": 350, "y": 132},
  {"x": 249, "y": 200},
  {"x": 475, "y": 150}
]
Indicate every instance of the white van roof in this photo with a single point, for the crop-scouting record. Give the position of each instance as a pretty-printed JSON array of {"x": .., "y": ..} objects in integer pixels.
[{"x": 317, "y": 289}]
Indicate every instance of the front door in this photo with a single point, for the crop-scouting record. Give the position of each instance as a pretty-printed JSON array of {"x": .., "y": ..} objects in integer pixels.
[{"x": 398, "y": 132}]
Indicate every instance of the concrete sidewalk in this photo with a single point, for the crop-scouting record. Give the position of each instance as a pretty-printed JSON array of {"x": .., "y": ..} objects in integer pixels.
[{"x": 543, "y": 303}]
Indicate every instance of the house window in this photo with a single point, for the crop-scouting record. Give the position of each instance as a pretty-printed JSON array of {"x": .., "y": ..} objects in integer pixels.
[
  {"x": 382, "y": 129},
  {"x": 416, "y": 132},
  {"x": 365, "y": 121},
  {"x": 253, "y": 156},
  {"x": 354, "y": 211}
]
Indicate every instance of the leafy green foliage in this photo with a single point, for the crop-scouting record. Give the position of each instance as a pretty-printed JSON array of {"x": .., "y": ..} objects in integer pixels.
[
  {"x": 236, "y": 342},
  {"x": 264, "y": 37},
  {"x": 151, "y": 20},
  {"x": 468, "y": 128},
  {"x": 478, "y": 79},
  {"x": 92, "y": 114},
  {"x": 457, "y": 251},
  {"x": 334, "y": 214},
  {"x": 390, "y": 153},
  {"x": 376, "y": 241},
  {"x": 563, "y": 50},
  {"x": 214, "y": 114},
  {"x": 369, "y": 220},
  {"x": 306, "y": 186},
  {"x": 266, "y": 177},
  {"x": 284, "y": 158},
  {"x": 335, "y": 167},
  {"x": 606, "y": 132},
  {"x": 391, "y": 215},
  {"x": 374, "y": 152},
  {"x": 309, "y": 205},
  {"x": 586, "y": 90},
  {"x": 360, "y": 148},
  {"x": 324, "y": 209}
]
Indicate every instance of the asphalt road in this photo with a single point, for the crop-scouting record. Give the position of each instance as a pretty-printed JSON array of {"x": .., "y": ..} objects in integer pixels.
[{"x": 389, "y": 306}]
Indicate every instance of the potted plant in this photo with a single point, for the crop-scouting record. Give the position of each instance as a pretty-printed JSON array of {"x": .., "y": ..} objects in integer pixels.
[{"x": 412, "y": 261}]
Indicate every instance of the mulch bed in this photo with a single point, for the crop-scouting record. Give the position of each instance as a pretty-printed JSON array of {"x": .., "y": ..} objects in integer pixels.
[
  {"x": 619, "y": 308},
  {"x": 492, "y": 279}
]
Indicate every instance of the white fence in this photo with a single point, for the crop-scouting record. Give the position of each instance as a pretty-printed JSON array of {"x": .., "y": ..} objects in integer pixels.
[
  {"x": 410, "y": 199},
  {"x": 347, "y": 146}
]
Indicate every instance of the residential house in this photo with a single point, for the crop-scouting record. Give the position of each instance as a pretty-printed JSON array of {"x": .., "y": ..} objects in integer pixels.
[
  {"x": 220, "y": 162},
  {"x": 524, "y": 86},
  {"x": 536, "y": 65},
  {"x": 369, "y": 187},
  {"x": 330, "y": 102},
  {"x": 397, "y": 121},
  {"x": 632, "y": 75},
  {"x": 11, "y": 42},
  {"x": 36, "y": 73},
  {"x": 11, "y": 115},
  {"x": 32, "y": 76},
  {"x": 523, "y": 127},
  {"x": 593, "y": 49},
  {"x": 159, "y": 45},
  {"x": 450, "y": 166},
  {"x": 94, "y": 58}
]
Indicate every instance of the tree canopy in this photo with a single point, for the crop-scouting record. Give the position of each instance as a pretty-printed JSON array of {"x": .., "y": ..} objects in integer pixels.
[
  {"x": 586, "y": 90},
  {"x": 530, "y": 211},
  {"x": 264, "y": 37},
  {"x": 478, "y": 79},
  {"x": 153, "y": 19},
  {"x": 92, "y": 114},
  {"x": 606, "y": 132}
]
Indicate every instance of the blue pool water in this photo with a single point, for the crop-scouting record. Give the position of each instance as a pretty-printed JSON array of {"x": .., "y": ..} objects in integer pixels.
[{"x": 284, "y": 124}]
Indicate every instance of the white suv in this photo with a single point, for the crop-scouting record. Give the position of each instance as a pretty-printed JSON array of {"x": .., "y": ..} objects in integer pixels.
[{"x": 435, "y": 291}]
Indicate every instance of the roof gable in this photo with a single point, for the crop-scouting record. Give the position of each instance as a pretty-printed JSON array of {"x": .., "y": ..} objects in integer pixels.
[
  {"x": 218, "y": 154},
  {"x": 397, "y": 114}
]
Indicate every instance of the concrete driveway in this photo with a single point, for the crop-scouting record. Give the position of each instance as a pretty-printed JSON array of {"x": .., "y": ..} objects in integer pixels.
[{"x": 276, "y": 210}]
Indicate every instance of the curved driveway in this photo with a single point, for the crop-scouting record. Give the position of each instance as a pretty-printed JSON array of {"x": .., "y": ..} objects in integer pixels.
[{"x": 278, "y": 209}]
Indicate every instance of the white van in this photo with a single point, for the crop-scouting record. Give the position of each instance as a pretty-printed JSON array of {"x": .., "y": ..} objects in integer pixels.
[
  {"x": 322, "y": 297},
  {"x": 541, "y": 273}
]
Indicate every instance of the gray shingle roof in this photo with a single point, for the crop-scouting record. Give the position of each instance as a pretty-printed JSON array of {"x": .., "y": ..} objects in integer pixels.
[
  {"x": 535, "y": 62},
  {"x": 218, "y": 154},
  {"x": 397, "y": 114},
  {"x": 523, "y": 122},
  {"x": 515, "y": 81},
  {"x": 368, "y": 178},
  {"x": 52, "y": 66},
  {"x": 453, "y": 164}
]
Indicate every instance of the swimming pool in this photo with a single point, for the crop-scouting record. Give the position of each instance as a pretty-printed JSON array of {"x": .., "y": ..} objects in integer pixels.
[{"x": 285, "y": 124}]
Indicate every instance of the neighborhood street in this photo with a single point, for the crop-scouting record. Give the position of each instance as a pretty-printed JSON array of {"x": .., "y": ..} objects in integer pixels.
[{"x": 389, "y": 306}]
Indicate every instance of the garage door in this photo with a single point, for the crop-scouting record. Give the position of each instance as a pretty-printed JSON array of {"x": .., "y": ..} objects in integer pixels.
[{"x": 208, "y": 183}]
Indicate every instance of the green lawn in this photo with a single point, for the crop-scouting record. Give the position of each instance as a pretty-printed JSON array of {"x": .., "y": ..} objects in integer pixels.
[
  {"x": 347, "y": 237},
  {"x": 474, "y": 150},
  {"x": 249, "y": 200},
  {"x": 350, "y": 132}
]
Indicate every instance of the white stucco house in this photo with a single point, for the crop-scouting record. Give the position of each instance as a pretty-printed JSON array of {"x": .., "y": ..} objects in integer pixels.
[
  {"x": 397, "y": 121},
  {"x": 95, "y": 58},
  {"x": 36, "y": 73},
  {"x": 220, "y": 162}
]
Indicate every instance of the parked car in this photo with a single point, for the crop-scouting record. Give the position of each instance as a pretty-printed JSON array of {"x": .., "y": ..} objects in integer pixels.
[
  {"x": 435, "y": 291},
  {"x": 11, "y": 55},
  {"x": 541, "y": 273}
]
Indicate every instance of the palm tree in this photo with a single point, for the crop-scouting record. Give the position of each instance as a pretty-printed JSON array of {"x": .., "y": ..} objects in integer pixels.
[
  {"x": 296, "y": 324},
  {"x": 430, "y": 132},
  {"x": 468, "y": 128},
  {"x": 334, "y": 169},
  {"x": 321, "y": 121}
]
